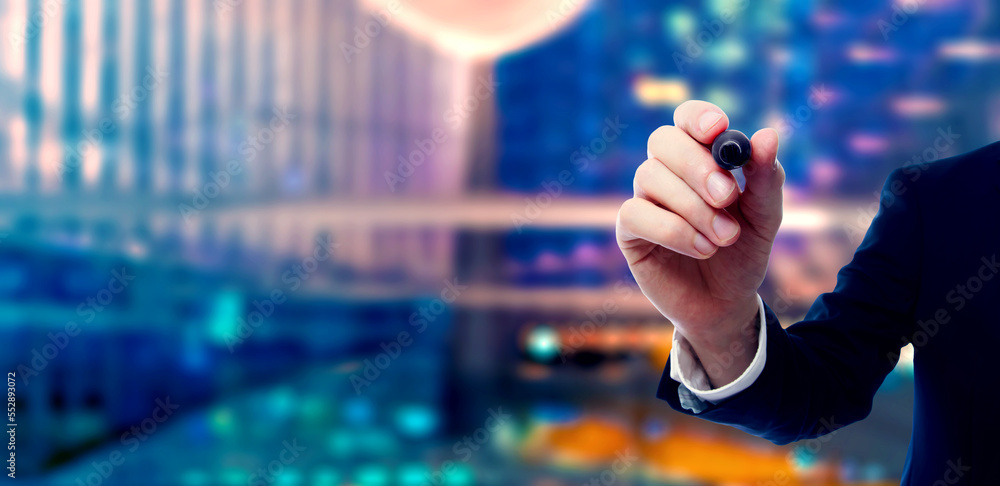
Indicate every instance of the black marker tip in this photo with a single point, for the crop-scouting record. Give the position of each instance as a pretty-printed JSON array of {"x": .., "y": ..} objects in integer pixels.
[{"x": 731, "y": 149}]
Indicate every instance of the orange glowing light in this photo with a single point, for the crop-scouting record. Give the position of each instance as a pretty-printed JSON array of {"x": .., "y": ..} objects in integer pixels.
[
  {"x": 589, "y": 442},
  {"x": 659, "y": 352},
  {"x": 688, "y": 455},
  {"x": 652, "y": 91}
]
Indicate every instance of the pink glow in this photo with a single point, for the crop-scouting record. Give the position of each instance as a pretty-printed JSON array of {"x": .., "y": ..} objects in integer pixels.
[
  {"x": 480, "y": 28},
  {"x": 868, "y": 144},
  {"x": 918, "y": 105}
]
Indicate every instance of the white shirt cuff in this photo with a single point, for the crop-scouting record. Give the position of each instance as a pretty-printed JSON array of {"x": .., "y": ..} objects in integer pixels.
[{"x": 685, "y": 368}]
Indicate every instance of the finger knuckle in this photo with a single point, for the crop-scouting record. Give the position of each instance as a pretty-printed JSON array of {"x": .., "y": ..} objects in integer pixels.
[
  {"x": 626, "y": 213},
  {"x": 662, "y": 135},
  {"x": 672, "y": 231},
  {"x": 684, "y": 107},
  {"x": 697, "y": 211},
  {"x": 643, "y": 175},
  {"x": 695, "y": 163},
  {"x": 644, "y": 171}
]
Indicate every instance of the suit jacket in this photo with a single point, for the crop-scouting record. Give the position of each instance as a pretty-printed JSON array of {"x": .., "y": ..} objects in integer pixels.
[{"x": 926, "y": 273}]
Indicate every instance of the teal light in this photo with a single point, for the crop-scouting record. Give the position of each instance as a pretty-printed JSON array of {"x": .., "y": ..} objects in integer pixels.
[
  {"x": 313, "y": 409},
  {"x": 377, "y": 441},
  {"x": 325, "y": 477},
  {"x": 416, "y": 420},
  {"x": 413, "y": 474},
  {"x": 289, "y": 477},
  {"x": 731, "y": 7},
  {"x": 460, "y": 475},
  {"x": 223, "y": 322},
  {"x": 543, "y": 343},
  {"x": 729, "y": 53},
  {"x": 222, "y": 421},
  {"x": 340, "y": 443},
  {"x": 802, "y": 458},
  {"x": 194, "y": 477},
  {"x": 722, "y": 96},
  {"x": 233, "y": 477},
  {"x": 679, "y": 23},
  {"x": 372, "y": 475},
  {"x": 282, "y": 402}
]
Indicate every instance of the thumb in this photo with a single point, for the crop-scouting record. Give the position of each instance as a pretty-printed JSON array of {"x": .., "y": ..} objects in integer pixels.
[{"x": 760, "y": 202}]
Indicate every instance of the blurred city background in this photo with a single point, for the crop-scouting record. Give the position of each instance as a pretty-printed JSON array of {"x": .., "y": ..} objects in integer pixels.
[{"x": 307, "y": 242}]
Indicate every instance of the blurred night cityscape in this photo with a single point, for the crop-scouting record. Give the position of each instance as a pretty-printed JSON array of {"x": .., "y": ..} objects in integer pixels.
[{"x": 359, "y": 242}]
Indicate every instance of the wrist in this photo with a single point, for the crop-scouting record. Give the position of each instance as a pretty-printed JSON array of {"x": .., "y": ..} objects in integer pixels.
[
  {"x": 728, "y": 351},
  {"x": 740, "y": 326}
]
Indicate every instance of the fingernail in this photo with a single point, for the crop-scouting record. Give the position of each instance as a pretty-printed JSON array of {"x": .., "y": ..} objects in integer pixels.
[
  {"x": 702, "y": 244},
  {"x": 724, "y": 227},
  {"x": 708, "y": 120},
  {"x": 720, "y": 186}
]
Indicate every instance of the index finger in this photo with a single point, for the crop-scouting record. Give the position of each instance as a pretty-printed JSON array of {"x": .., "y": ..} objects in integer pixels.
[{"x": 702, "y": 120}]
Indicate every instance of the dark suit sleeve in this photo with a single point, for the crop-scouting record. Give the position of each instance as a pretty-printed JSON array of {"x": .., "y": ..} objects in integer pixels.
[{"x": 822, "y": 373}]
